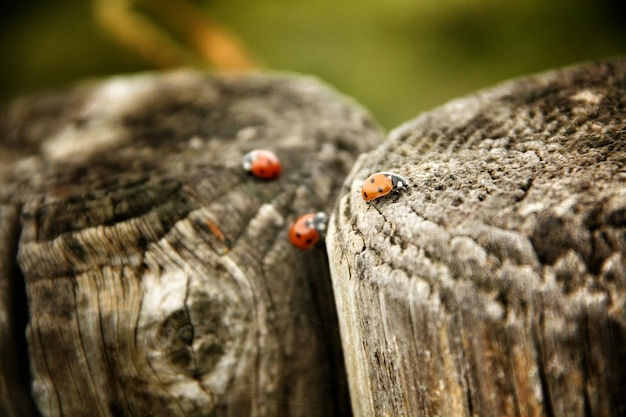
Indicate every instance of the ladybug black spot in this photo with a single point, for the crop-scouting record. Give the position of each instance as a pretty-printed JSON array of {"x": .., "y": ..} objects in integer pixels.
[
  {"x": 380, "y": 190},
  {"x": 309, "y": 241},
  {"x": 372, "y": 180},
  {"x": 364, "y": 194},
  {"x": 298, "y": 235}
]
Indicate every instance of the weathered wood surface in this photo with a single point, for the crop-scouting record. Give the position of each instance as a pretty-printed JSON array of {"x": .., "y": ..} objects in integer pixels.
[
  {"x": 15, "y": 398},
  {"x": 495, "y": 285},
  {"x": 159, "y": 277}
]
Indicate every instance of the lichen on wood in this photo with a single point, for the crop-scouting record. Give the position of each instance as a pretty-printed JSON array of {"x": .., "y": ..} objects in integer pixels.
[{"x": 495, "y": 285}]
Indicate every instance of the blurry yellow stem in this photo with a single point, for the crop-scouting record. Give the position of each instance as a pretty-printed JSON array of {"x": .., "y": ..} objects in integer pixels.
[
  {"x": 137, "y": 32},
  {"x": 211, "y": 44}
]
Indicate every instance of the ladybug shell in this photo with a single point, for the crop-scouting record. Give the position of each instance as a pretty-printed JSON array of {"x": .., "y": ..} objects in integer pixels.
[
  {"x": 376, "y": 185},
  {"x": 382, "y": 183},
  {"x": 262, "y": 164},
  {"x": 307, "y": 230}
]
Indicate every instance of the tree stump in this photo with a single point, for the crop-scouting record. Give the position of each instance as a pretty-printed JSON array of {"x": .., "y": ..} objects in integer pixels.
[
  {"x": 158, "y": 274},
  {"x": 494, "y": 285}
]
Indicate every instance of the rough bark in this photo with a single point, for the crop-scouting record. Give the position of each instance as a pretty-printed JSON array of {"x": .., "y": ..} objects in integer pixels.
[
  {"x": 159, "y": 277},
  {"x": 495, "y": 285}
]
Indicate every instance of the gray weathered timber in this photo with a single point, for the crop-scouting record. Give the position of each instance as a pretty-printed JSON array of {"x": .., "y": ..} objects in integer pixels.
[
  {"x": 15, "y": 399},
  {"x": 494, "y": 285},
  {"x": 159, "y": 277}
]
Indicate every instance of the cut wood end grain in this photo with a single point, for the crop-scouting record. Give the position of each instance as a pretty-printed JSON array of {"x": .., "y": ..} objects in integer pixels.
[
  {"x": 159, "y": 275},
  {"x": 496, "y": 285}
]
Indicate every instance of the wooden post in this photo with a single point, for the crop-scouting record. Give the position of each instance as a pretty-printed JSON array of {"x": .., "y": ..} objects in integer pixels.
[
  {"x": 494, "y": 285},
  {"x": 159, "y": 276}
]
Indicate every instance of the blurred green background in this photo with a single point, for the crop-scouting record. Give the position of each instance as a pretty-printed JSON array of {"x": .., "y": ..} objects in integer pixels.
[{"x": 396, "y": 57}]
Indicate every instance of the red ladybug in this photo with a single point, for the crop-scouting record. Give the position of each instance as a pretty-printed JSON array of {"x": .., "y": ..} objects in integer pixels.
[
  {"x": 308, "y": 230},
  {"x": 262, "y": 164},
  {"x": 382, "y": 183}
]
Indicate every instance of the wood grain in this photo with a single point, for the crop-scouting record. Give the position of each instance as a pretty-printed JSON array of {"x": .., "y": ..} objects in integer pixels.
[
  {"x": 495, "y": 285},
  {"x": 15, "y": 398},
  {"x": 159, "y": 276}
]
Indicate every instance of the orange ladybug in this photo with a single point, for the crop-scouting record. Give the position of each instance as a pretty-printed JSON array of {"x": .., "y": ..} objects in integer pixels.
[
  {"x": 262, "y": 164},
  {"x": 308, "y": 230},
  {"x": 381, "y": 184}
]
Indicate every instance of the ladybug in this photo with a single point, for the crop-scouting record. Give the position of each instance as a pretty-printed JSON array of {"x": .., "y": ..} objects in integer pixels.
[
  {"x": 308, "y": 230},
  {"x": 381, "y": 184},
  {"x": 262, "y": 164}
]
